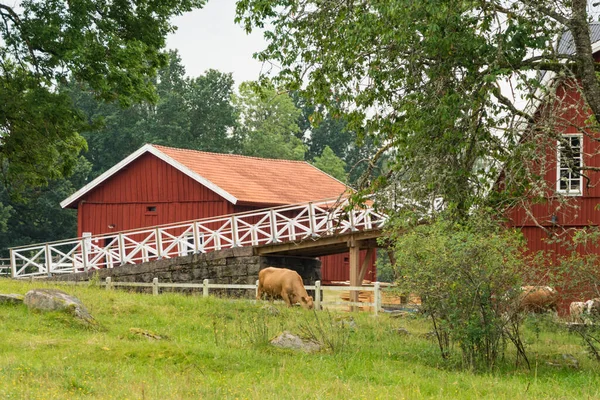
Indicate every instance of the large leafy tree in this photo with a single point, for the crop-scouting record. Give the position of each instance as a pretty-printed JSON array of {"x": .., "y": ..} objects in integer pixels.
[
  {"x": 114, "y": 47},
  {"x": 437, "y": 84},
  {"x": 268, "y": 124},
  {"x": 332, "y": 164},
  {"x": 212, "y": 113}
]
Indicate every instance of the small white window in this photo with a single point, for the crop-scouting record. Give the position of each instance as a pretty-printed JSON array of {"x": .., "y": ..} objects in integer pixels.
[{"x": 570, "y": 162}]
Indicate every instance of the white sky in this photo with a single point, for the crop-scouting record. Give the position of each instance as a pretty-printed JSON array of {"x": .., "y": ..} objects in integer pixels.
[{"x": 209, "y": 38}]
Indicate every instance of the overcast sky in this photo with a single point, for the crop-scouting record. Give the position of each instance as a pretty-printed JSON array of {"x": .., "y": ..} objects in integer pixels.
[{"x": 209, "y": 38}]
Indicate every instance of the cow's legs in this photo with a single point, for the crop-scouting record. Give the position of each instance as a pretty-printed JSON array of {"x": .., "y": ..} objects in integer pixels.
[
  {"x": 286, "y": 298},
  {"x": 259, "y": 292}
]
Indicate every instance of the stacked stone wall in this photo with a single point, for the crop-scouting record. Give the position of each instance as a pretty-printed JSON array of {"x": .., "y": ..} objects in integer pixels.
[{"x": 229, "y": 266}]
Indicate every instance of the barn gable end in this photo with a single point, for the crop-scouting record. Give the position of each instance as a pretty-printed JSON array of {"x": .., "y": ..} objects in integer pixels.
[{"x": 146, "y": 192}]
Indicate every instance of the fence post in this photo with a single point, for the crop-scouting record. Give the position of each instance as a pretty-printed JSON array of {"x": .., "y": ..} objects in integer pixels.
[
  {"x": 158, "y": 241},
  {"x": 155, "y": 287},
  {"x": 48, "y": 260},
  {"x": 317, "y": 295},
  {"x": 121, "y": 249},
  {"x": 377, "y": 297},
  {"x": 84, "y": 255},
  {"x": 108, "y": 283},
  {"x": 274, "y": 238},
  {"x": 205, "y": 288},
  {"x": 13, "y": 264},
  {"x": 256, "y": 290},
  {"x": 234, "y": 231},
  {"x": 196, "y": 238},
  {"x": 311, "y": 219}
]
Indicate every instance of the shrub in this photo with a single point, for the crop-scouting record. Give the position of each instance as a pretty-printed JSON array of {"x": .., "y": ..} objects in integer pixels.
[{"x": 466, "y": 275}]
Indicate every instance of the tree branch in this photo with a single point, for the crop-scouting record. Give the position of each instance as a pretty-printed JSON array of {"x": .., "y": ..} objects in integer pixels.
[
  {"x": 14, "y": 17},
  {"x": 547, "y": 11}
]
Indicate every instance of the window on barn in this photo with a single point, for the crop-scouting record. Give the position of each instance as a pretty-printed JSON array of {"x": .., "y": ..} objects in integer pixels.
[
  {"x": 570, "y": 161},
  {"x": 151, "y": 210}
]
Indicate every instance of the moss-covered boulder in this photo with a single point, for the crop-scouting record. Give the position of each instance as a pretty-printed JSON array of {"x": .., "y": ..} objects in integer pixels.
[
  {"x": 57, "y": 300},
  {"x": 11, "y": 298}
]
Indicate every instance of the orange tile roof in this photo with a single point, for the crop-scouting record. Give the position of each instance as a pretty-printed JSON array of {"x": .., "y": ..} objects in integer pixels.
[{"x": 259, "y": 180}]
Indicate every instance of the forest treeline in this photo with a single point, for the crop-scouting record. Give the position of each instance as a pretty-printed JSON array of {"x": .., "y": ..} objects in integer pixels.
[{"x": 207, "y": 113}]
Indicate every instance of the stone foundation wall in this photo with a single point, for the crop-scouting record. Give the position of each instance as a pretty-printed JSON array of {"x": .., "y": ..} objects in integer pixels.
[{"x": 229, "y": 266}]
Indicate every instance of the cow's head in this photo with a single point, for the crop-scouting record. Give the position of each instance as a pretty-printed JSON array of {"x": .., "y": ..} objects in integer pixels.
[{"x": 307, "y": 302}]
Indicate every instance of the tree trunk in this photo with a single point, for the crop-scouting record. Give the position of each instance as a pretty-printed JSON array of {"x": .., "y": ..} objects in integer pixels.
[{"x": 579, "y": 26}]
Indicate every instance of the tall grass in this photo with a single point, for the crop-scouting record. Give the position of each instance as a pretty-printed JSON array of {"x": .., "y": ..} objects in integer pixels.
[{"x": 218, "y": 349}]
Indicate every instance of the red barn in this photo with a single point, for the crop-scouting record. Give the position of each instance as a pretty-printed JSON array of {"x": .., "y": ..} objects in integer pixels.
[
  {"x": 160, "y": 185},
  {"x": 574, "y": 191}
]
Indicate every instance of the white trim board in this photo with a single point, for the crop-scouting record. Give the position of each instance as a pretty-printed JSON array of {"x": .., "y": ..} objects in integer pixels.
[{"x": 147, "y": 148}]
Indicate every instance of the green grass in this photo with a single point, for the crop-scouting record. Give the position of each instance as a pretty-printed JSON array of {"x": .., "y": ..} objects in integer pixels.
[{"x": 216, "y": 349}]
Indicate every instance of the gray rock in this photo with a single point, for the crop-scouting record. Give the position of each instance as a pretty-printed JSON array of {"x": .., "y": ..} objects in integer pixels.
[
  {"x": 570, "y": 361},
  {"x": 147, "y": 334},
  {"x": 429, "y": 335},
  {"x": 288, "y": 340},
  {"x": 348, "y": 323},
  {"x": 400, "y": 314},
  {"x": 567, "y": 360},
  {"x": 401, "y": 331},
  {"x": 271, "y": 310},
  {"x": 57, "y": 300},
  {"x": 11, "y": 298}
]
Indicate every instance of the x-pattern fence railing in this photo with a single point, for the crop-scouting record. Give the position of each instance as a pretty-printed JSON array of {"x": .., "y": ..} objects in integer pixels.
[
  {"x": 267, "y": 226},
  {"x": 4, "y": 266}
]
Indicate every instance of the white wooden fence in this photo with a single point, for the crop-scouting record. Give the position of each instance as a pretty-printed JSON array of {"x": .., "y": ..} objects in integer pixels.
[
  {"x": 206, "y": 286},
  {"x": 274, "y": 225},
  {"x": 4, "y": 266}
]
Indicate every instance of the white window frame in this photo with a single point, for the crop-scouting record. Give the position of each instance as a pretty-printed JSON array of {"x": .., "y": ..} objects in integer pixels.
[{"x": 569, "y": 191}]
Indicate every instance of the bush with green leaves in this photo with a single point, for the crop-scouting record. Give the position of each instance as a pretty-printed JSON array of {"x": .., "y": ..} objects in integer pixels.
[{"x": 467, "y": 277}]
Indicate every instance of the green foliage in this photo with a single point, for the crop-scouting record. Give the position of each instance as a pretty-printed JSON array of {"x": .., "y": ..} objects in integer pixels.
[
  {"x": 40, "y": 138},
  {"x": 212, "y": 114},
  {"x": 268, "y": 124},
  {"x": 112, "y": 47},
  {"x": 36, "y": 216},
  {"x": 319, "y": 130},
  {"x": 385, "y": 269},
  {"x": 193, "y": 113},
  {"x": 463, "y": 274},
  {"x": 331, "y": 164}
]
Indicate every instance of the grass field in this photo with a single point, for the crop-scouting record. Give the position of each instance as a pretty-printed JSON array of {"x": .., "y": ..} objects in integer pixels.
[{"x": 217, "y": 349}]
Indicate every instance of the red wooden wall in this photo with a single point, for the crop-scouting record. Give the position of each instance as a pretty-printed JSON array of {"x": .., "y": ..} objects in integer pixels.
[
  {"x": 336, "y": 267},
  {"x": 150, "y": 192},
  {"x": 569, "y": 112}
]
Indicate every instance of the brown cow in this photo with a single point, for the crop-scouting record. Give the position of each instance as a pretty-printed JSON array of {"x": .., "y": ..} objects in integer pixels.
[
  {"x": 537, "y": 299},
  {"x": 284, "y": 283}
]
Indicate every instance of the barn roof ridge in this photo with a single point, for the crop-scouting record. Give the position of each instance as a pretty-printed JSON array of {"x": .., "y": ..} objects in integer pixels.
[{"x": 159, "y": 146}]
